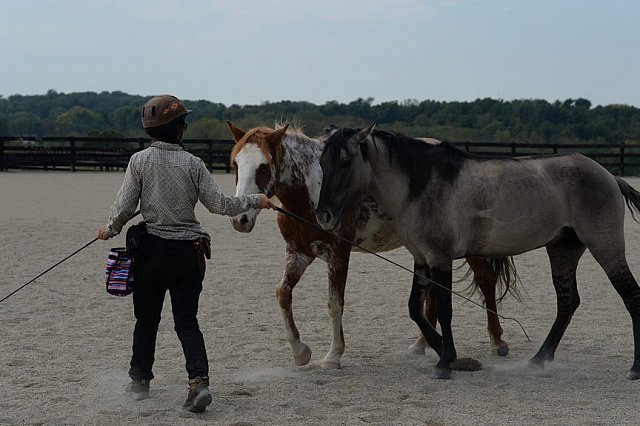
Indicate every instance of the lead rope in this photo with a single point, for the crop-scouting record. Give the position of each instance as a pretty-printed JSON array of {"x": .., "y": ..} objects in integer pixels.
[
  {"x": 340, "y": 237},
  {"x": 71, "y": 255}
]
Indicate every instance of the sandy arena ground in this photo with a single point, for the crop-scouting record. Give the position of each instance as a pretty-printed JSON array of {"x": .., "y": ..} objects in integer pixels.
[{"x": 66, "y": 343}]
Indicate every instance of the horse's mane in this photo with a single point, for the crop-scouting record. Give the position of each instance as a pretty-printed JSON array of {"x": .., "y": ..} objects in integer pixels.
[
  {"x": 419, "y": 160},
  {"x": 294, "y": 127}
]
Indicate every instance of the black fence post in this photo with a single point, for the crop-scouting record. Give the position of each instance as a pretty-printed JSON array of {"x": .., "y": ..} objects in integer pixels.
[
  {"x": 72, "y": 148},
  {"x": 622, "y": 159},
  {"x": 210, "y": 153},
  {"x": 2, "y": 165},
  {"x": 513, "y": 148}
]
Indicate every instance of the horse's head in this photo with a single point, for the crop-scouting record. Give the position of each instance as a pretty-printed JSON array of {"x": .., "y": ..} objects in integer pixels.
[
  {"x": 345, "y": 174},
  {"x": 256, "y": 158}
]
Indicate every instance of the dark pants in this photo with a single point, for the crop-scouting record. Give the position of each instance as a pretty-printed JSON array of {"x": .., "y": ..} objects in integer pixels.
[{"x": 167, "y": 265}]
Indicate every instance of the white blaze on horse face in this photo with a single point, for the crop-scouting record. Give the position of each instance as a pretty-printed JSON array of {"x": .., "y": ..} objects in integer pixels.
[{"x": 248, "y": 160}]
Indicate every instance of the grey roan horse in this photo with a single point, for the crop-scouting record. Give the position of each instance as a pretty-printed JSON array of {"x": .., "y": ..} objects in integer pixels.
[{"x": 450, "y": 204}]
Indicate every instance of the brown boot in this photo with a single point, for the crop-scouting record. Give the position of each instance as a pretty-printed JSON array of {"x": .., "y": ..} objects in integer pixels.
[{"x": 199, "y": 396}]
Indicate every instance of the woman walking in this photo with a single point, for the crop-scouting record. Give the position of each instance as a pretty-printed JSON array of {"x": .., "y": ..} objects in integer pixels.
[{"x": 168, "y": 181}]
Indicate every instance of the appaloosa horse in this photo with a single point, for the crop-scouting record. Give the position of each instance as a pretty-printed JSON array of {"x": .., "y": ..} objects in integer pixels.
[
  {"x": 285, "y": 164},
  {"x": 451, "y": 204}
]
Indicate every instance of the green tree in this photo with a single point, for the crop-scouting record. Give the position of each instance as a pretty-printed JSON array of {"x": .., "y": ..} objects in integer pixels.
[{"x": 79, "y": 121}]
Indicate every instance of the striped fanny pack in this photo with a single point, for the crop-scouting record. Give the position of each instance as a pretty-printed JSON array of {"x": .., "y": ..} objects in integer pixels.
[{"x": 119, "y": 274}]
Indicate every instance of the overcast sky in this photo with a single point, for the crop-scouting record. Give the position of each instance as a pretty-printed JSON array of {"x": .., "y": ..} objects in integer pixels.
[{"x": 254, "y": 51}]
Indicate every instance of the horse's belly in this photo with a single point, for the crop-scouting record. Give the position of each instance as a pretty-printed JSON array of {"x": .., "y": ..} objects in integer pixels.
[
  {"x": 512, "y": 240},
  {"x": 502, "y": 248}
]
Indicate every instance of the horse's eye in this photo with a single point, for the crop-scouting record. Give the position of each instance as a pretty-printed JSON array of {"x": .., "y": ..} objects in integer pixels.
[{"x": 262, "y": 167}]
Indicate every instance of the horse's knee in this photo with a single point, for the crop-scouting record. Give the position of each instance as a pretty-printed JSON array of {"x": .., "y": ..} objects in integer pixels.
[
  {"x": 415, "y": 310},
  {"x": 630, "y": 294},
  {"x": 415, "y": 315},
  {"x": 284, "y": 295},
  {"x": 566, "y": 293}
]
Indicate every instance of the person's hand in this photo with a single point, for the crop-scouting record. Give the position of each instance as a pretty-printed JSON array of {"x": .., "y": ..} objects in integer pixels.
[
  {"x": 265, "y": 203},
  {"x": 102, "y": 232}
]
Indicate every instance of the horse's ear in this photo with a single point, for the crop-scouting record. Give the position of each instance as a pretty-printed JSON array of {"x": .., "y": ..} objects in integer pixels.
[
  {"x": 362, "y": 135},
  {"x": 276, "y": 136},
  {"x": 235, "y": 131}
]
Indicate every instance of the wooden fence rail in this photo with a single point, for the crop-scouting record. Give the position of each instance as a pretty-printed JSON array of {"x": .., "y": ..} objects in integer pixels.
[{"x": 91, "y": 153}]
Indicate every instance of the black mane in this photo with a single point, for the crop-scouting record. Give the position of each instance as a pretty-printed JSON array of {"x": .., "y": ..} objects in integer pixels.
[{"x": 419, "y": 160}]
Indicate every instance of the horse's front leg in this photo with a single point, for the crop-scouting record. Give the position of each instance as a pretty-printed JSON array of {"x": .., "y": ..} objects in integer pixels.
[
  {"x": 420, "y": 290},
  {"x": 338, "y": 266},
  {"x": 443, "y": 277},
  {"x": 486, "y": 278},
  {"x": 295, "y": 263}
]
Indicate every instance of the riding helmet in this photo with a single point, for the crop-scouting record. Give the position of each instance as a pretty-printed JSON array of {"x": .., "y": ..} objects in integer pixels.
[{"x": 161, "y": 110}]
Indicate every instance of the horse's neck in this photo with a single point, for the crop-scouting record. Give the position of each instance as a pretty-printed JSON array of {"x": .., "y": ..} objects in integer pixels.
[
  {"x": 300, "y": 171},
  {"x": 388, "y": 185}
]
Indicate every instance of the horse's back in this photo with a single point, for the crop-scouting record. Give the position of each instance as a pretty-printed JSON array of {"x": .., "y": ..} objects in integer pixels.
[
  {"x": 586, "y": 184},
  {"x": 522, "y": 203},
  {"x": 566, "y": 175}
]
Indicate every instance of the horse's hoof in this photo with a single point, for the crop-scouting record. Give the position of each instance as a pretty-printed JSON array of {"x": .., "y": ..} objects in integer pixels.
[
  {"x": 502, "y": 349},
  {"x": 632, "y": 375},
  {"x": 334, "y": 365},
  {"x": 416, "y": 349},
  {"x": 303, "y": 358},
  {"x": 441, "y": 373}
]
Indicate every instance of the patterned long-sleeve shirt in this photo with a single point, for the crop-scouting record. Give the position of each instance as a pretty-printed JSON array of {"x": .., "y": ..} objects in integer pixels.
[{"x": 168, "y": 181}]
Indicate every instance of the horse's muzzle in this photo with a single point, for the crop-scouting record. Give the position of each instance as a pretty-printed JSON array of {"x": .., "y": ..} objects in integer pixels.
[{"x": 242, "y": 223}]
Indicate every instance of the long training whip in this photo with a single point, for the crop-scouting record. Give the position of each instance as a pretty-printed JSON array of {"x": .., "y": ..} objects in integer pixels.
[
  {"x": 71, "y": 255},
  {"x": 340, "y": 237}
]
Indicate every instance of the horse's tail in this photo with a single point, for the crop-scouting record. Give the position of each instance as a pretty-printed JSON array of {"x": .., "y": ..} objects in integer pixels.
[
  {"x": 631, "y": 196},
  {"x": 506, "y": 278},
  {"x": 505, "y": 270}
]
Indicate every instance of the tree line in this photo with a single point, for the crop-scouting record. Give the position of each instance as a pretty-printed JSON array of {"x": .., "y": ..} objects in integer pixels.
[{"x": 117, "y": 114}]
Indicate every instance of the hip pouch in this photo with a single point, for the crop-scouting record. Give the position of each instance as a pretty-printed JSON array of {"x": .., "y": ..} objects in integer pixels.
[
  {"x": 119, "y": 273},
  {"x": 203, "y": 249}
]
